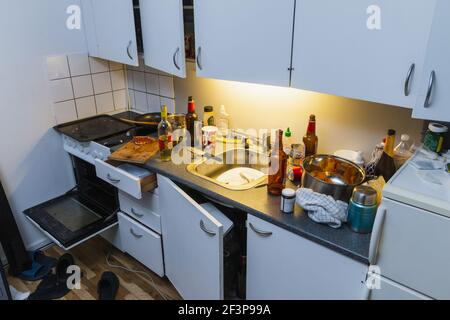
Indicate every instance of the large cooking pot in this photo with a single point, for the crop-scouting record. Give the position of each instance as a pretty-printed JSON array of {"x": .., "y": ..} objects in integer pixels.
[{"x": 332, "y": 176}]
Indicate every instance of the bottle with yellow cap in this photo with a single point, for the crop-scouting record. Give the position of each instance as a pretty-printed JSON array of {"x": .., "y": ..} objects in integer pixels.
[{"x": 165, "y": 136}]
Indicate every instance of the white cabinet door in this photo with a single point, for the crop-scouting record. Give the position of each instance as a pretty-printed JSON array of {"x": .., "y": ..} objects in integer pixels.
[
  {"x": 246, "y": 41},
  {"x": 433, "y": 102},
  {"x": 389, "y": 290},
  {"x": 282, "y": 265},
  {"x": 110, "y": 30},
  {"x": 360, "y": 48},
  {"x": 412, "y": 248},
  {"x": 193, "y": 244},
  {"x": 163, "y": 35}
]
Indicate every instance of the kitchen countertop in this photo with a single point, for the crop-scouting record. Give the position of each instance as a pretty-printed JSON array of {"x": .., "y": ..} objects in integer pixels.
[{"x": 259, "y": 203}]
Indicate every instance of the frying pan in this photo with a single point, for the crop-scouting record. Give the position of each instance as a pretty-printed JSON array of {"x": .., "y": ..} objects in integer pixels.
[{"x": 146, "y": 123}]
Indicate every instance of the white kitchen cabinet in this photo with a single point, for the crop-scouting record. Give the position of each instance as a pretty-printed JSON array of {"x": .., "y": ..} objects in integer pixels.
[
  {"x": 110, "y": 30},
  {"x": 410, "y": 245},
  {"x": 193, "y": 243},
  {"x": 283, "y": 265},
  {"x": 390, "y": 290},
  {"x": 362, "y": 49},
  {"x": 163, "y": 35},
  {"x": 246, "y": 41},
  {"x": 433, "y": 101}
]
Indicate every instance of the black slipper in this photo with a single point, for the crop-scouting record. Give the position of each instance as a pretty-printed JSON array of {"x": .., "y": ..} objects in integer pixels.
[
  {"x": 41, "y": 258},
  {"x": 108, "y": 286},
  {"x": 64, "y": 262}
]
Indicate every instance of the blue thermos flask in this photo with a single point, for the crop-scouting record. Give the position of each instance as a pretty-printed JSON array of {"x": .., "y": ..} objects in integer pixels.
[{"x": 362, "y": 209}]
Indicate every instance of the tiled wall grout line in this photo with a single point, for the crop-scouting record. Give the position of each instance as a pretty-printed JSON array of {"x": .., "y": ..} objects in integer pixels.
[
  {"x": 71, "y": 83},
  {"x": 92, "y": 84}
]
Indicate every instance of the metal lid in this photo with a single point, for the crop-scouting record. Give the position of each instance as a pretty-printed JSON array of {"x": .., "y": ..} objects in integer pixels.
[{"x": 365, "y": 195}]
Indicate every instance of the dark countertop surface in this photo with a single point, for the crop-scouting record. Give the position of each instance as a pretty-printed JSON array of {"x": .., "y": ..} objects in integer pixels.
[{"x": 259, "y": 203}]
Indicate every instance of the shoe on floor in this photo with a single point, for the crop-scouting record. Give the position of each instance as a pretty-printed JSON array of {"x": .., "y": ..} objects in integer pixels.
[{"x": 108, "y": 286}]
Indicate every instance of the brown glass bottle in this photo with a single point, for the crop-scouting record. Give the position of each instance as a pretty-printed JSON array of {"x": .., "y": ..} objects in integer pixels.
[
  {"x": 191, "y": 118},
  {"x": 386, "y": 165},
  {"x": 311, "y": 140},
  {"x": 278, "y": 162}
]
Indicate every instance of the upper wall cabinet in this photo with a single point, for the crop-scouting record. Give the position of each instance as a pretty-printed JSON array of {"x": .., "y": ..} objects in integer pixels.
[
  {"x": 247, "y": 41},
  {"x": 362, "y": 49},
  {"x": 433, "y": 101},
  {"x": 110, "y": 30},
  {"x": 163, "y": 35}
]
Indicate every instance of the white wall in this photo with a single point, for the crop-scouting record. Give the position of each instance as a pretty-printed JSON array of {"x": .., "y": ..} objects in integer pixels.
[
  {"x": 33, "y": 166},
  {"x": 341, "y": 123}
]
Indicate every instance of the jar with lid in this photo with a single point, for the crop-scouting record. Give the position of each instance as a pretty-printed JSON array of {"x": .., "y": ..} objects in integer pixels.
[
  {"x": 362, "y": 209},
  {"x": 434, "y": 138}
]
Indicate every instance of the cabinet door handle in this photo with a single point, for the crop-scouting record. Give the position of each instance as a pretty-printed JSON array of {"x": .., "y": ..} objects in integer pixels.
[
  {"x": 139, "y": 215},
  {"x": 137, "y": 236},
  {"x": 261, "y": 233},
  {"x": 430, "y": 89},
  {"x": 129, "y": 50},
  {"x": 407, "y": 89},
  {"x": 199, "y": 52},
  {"x": 208, "y": 232},
  {"x": 113, "y": 180},
  {"x": 376, "y": 235},
  {"x": 175, "y": 54}
]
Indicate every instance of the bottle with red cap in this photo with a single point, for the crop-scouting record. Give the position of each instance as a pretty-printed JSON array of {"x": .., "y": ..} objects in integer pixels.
[{"x": 191, "y": 118}]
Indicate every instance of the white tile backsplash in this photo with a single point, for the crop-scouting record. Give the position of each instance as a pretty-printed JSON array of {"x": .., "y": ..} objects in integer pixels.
[
  {"x": 170, "y": 103},
  {"x": 79, "y": 64},
  {"x": 154, "y": 103},
  {"x": 86, "y": 107},
  {"x": 98, "y": 65},
  {"x": 141, "y": 101},
  {"x": 132, "y": 98},
  {"x": 57, "y": 67},
  {"x": 82, "y": 86},
  {"x": 118, "y": 80},
  {"x": 152, "y": 83},
  {"x": 87, "y": 88},
  {"x": 139, "y": 80},
  {"x": 166, "y": 87},
  {"x": 105, "y": 102},
  {"x": 102, "y": 82},
  {"x": 65, "y": 111},
  {"x": 61, "y": 90}
]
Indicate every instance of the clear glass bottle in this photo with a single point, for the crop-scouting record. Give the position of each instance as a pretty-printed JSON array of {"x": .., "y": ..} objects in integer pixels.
[
  {"x": 401, "y": 152},
  {"x": 165, "y": 137}
]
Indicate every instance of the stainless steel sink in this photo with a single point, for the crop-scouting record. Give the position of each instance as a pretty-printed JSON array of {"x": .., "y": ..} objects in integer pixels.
[{"x": 210, "y": 168}]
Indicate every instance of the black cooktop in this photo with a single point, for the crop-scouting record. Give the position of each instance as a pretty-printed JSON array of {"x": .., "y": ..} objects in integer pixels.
[{"x": 94, "y": 128}]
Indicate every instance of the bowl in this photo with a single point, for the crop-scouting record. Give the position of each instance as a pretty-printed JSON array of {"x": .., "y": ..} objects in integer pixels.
[{"x": 332, "y": 175}]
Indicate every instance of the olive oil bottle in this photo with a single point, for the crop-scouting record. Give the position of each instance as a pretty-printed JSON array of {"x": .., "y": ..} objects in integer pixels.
[{"x": 165, "y": 136}]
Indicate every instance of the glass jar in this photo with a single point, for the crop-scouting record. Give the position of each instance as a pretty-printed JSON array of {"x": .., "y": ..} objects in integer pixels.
[{"x": 434, "y": 138}]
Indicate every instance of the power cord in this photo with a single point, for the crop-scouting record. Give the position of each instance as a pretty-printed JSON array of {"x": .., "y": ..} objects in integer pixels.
[{"x": 152, "y": 282}]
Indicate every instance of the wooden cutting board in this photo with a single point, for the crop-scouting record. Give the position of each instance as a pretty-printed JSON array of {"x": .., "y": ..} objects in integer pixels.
[{"x": 134, "y": 153}]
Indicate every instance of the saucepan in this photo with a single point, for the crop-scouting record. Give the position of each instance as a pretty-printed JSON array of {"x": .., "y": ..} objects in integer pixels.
[{"x": 331, "y": 175}]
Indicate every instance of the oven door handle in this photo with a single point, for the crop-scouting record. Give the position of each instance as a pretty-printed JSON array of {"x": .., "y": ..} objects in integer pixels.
[{"x": 113, "y": 180}]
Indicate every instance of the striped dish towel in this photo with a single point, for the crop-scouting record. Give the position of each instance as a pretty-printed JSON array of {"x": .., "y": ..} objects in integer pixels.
[{"x": 322, "y": 208}]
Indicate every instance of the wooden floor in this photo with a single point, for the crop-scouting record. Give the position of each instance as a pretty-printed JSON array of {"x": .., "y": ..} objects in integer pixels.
[{"x": 91, "y": 258}]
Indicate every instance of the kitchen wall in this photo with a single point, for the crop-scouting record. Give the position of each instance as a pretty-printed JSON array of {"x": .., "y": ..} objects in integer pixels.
[
  {"x": 149, "y": 88},
  {"x": 83, "y": 86},
  {"x": 341, "y": 123},
  {"x": 33, "y": 166}
]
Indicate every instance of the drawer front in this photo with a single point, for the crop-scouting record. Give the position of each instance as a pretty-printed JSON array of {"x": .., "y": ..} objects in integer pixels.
[
  {"x": 389, "y": 290},
  {"x": 141, "y": 243},
  {"x": 123, "y": 180},
  {"x": 145, "y": 210},
  {"x": 414, "y": 249}
]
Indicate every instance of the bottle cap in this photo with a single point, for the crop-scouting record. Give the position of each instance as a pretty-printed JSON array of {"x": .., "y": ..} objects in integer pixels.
[
  {"x": 437, "y": 128},
  {"x": 404, "y": 137},
  {"x": 365, "y": 195},
  {"x": 312, "y": 117},
  {"x": 208, "y": 109},
  {"x": 288, "y": 133},
  {"x": 288, "y": 193},
  {"x": 391, "y": 132}
]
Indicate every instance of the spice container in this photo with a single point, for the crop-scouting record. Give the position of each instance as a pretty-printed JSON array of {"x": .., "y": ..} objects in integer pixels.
[
  {"x": 434, "y": 138},
  {"x": 287, "y": 200},
  {"x": 362, "y": 209}
]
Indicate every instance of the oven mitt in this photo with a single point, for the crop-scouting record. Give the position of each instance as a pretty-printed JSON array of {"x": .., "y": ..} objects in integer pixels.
[
  {"x": 40, "y": 267},
  {"x": 54, "y": 285},
  {"x": 322, "y": 208},
  {"x": 108, "y": 286}
]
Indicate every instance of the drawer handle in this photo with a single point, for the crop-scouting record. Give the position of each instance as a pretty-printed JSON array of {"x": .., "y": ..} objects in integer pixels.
[
  {"x": 113, "y": 180},
  {"x": 261, "y": 233},
  {"x": 129, "y": 50},
  {"x": 137, "y": 236},
  {"x": 175, "y": 58},
  {"x": 199, "y": 52},
  {"x": 139, "y": 215},
  {"x": 208, "y": 232},
  {"x": 407, "y": 89},
  {"x": 430, "y": 89},
  {"x": 376, "y": 235}
]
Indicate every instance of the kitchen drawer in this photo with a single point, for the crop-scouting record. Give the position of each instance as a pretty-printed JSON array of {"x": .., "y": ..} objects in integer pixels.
[
  {"x": 128, "y": 178},
  {"x": 390, "y": 290},
  {"x": 141, "y": 243},
  {"x": 145, "y": 210}
]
